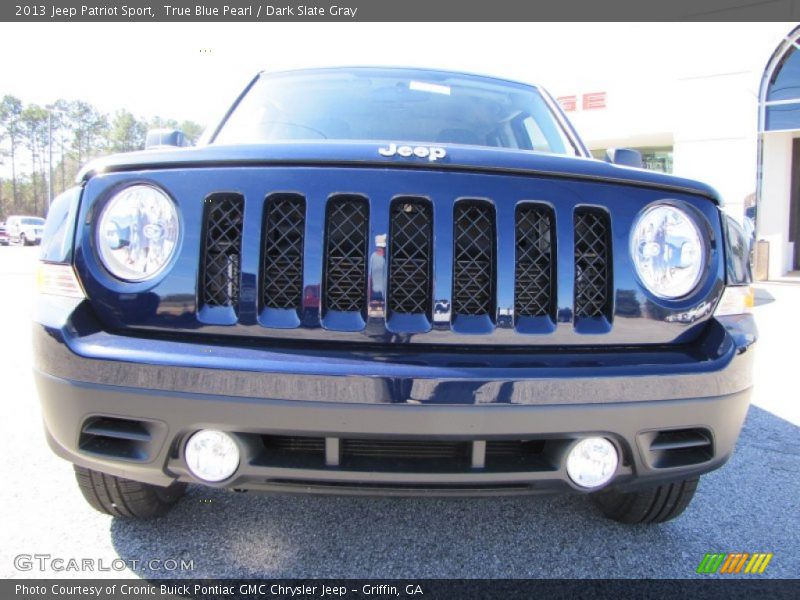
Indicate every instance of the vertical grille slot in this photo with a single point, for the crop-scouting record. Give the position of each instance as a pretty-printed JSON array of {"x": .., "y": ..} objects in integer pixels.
[
  {"x": 592, "y": 263},
  {"x": 534, "y": 281},
  {"x": 346, "y": 254},
  {"x": 474, "y": 259},
  {"x": 222, "y": 250},
  {"x": 282, "y": 261},
  {"x": 410, "y": 256}
]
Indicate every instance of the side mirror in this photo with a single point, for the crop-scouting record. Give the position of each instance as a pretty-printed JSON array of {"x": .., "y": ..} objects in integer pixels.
[
  {"x": 164, "y": 137},
  {"x": 627, "y": 157}
]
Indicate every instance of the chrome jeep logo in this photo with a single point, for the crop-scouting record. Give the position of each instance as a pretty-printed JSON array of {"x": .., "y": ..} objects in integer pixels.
[{"x": 432, "y": 153}]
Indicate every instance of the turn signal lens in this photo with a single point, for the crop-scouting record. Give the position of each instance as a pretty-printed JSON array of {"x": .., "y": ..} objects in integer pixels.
[
  {"x": 58, "y": 280},
  {"x": 736, "y": 300}
]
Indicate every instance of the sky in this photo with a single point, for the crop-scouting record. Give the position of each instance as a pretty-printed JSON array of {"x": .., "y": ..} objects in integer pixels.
[{"x": 194, "y": 70}]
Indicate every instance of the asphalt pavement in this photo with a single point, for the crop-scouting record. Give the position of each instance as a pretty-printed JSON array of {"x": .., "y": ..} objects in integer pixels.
[{"x": 750, "y": 505}]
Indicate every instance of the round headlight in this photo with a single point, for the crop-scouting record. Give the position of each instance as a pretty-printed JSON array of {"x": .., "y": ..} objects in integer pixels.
[
  {"x": 137, "y": 233},
  {"x": 668, "y": 251}
]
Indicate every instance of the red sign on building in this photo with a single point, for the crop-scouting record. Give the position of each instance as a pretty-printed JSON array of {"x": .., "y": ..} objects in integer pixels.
[
  {"x": 594, "y": 100},
  {"x": 568, "y": 103}
]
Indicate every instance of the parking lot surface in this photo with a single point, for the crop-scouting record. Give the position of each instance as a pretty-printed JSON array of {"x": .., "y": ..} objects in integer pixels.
[{"x": 750, "y": 505}]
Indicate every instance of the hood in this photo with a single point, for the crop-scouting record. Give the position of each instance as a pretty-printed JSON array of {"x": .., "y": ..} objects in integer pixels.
[{"x": 462, "y": 158}]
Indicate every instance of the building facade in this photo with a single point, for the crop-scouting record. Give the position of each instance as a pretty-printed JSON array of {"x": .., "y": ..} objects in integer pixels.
[{"x": 731, "y": 119}]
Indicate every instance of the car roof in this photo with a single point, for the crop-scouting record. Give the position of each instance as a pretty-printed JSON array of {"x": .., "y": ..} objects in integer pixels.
[{"x": 401, "y": 69}]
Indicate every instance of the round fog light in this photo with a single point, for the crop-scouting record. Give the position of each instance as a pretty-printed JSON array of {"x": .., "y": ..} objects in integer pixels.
[
  {"x": 212, "y": 455},
  {"x": 592, "y": 462}
]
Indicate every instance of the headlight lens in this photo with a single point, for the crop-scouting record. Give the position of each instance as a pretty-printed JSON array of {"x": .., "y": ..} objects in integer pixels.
[
  {"x": 668, "y": 251},
  {"x": 137, "y": 233}
]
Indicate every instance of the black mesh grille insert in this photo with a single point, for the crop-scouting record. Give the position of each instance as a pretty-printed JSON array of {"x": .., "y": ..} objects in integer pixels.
[
  {"x": 534, "y": 270},
  {"x": 422, "y": 449},
  {"x": 410, "y": 254},
  {"x": 282, "y": 266},
  {"x": 295, "y": 444},
  {"x": 474, "y": 260},
  {"x": 592, "y": 263},
  {"x": 222, "y": 250},
  {"x": 346, "y": 254}
]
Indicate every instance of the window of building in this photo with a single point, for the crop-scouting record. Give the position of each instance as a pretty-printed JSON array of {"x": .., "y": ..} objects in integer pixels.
[
  {"x": 785, "y": 81},
  {"x": 782, "y": 98}
]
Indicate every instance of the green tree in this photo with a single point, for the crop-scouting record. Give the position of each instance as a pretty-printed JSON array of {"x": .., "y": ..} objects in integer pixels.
[
  {"x": 35, "y": 137},
  {"x": 127, "y": 133},
  {"x": 60, "y": 122},
  {"x": 89, "y": 131},
  {"x": 192, "y": 131},
  {"x": 2, "y": 183},
  {"x": 10, "y": 121},
  {"x": 161, "y": 123},
  {"x": 76, "y": 132}
]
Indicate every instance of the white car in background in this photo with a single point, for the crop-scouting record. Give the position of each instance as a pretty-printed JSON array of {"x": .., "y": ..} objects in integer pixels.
[{"x": 25, "y": 230}]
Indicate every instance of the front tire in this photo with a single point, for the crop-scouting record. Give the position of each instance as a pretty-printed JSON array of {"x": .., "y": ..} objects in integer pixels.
[
  {"x": 126, "y": 498},
  {"x": 651, "y": 505}
]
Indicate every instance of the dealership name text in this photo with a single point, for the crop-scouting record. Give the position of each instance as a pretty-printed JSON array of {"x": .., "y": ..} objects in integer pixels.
[{"x": 185, "y": 589}]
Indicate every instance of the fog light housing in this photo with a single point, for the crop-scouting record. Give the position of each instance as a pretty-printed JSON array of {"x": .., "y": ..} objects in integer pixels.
[
  {"x": 212, "y": 455},
  {"x": 592, "y": 462}
]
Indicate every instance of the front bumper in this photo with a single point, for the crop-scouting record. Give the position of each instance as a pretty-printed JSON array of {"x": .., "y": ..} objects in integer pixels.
[
  {"x": 349, "y": 422},
  {"x": 67, "y": 405}
]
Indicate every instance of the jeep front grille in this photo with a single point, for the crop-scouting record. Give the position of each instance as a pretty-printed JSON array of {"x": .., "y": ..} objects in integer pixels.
[
  {"x": 474, "y": 259},
  {"x": 346, "y": 254},
  {"x": 283, "y": 239},
  {"x": 222, "y": 250},
  {"x": 410, "y": 256},
  {"x": 592, "y": 263},
  {"x": 372, "y": 261}
]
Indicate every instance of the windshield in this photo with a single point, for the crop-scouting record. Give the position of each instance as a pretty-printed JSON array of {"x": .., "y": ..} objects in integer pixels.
[
  {"x": 395, "y": 105},
  {"x": 32, "y": 221}
]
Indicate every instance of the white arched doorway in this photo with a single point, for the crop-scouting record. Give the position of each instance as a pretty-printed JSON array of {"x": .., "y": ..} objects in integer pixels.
[{"x": 778, "y": 196}]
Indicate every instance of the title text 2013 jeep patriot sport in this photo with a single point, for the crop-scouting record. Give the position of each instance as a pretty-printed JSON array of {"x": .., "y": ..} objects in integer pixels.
[{"x": 391, "y": 281}]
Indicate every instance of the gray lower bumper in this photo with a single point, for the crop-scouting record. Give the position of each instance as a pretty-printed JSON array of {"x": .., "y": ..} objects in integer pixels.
[{"x": 67, "y": 405}]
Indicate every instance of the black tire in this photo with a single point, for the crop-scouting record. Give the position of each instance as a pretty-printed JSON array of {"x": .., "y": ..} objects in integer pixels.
[
  {"x": 652, "y": 505},
  {"x": 125, "y": 498}
]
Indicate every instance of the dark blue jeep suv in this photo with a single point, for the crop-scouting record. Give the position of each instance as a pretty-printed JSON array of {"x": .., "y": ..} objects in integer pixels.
[{"x": 391, "y": 281}]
